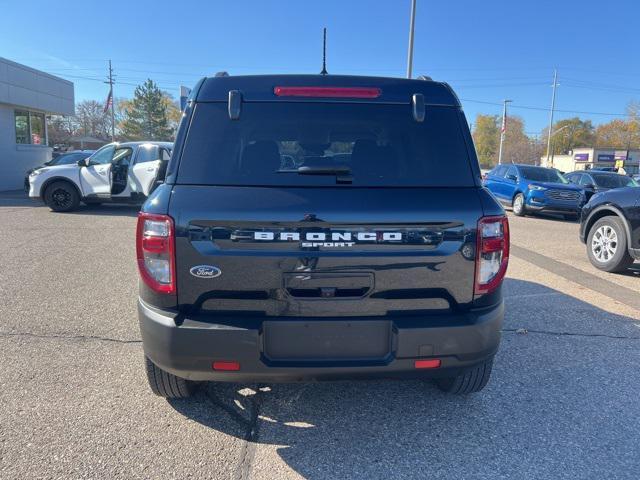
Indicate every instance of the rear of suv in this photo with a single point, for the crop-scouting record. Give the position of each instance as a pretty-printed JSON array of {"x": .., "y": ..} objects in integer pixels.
[{"x": 316, "y": 227}]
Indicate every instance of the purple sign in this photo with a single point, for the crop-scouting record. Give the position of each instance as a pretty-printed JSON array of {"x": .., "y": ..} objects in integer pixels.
[
  {"x": 581, "y": 157},
  {"x": 606, "y": 157}
]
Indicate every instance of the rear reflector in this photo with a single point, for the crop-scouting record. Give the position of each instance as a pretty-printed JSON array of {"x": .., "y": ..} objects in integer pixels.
[
  {"x": 228, "y": 366},
  {"x": 328, "y": 92},
  {"x": 431, "y": 363}
]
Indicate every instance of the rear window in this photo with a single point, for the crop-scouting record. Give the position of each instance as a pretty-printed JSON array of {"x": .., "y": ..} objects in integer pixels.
[{"x": 373, "y": 144}]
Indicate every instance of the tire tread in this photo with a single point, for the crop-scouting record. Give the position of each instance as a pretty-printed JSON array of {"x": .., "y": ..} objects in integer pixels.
[
  {"x": 471, "y": 381},
  {"x": 167, "y": 385}
]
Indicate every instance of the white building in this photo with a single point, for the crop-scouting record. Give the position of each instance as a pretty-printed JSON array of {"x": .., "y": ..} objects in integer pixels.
[
  {"x": 585, "y": 158},
  {"x": 27, "y": 97}
]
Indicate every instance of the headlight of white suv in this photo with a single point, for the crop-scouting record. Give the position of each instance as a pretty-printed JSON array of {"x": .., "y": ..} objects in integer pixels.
[
  {"x": 38, "y": 172},
  {"x": 536, "y": 187}
]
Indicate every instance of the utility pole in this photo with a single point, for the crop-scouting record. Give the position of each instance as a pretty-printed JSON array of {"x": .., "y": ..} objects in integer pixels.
[
  {"x": 503, "y": 129},
  {"x": 111, "y": 81},
  {"x": 411, "y": 29},
  {"x": 553, "y": 106}
]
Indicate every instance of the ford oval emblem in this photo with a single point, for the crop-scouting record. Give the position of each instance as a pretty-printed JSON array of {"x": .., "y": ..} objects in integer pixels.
[{"x": 205, "y": 271}]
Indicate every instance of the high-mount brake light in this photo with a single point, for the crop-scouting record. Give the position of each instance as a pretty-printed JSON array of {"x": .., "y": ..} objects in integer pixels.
[
  {"x": 328, "y": 92},
  {"x": 492, "y": 255},
  {"x": 155, "y": 249}
]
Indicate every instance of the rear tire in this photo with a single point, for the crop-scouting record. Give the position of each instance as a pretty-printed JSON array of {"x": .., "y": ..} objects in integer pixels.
[
  {"x": 166, "y": 385},
  {"x": 607, "y": 245},
  {"x": 518, "y": 205},
  {"x": 61, "y": 197},
  {"x": 471, "y": 381}
]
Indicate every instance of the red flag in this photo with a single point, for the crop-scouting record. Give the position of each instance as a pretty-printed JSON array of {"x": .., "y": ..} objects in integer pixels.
[{"x": 109, "y": 101}]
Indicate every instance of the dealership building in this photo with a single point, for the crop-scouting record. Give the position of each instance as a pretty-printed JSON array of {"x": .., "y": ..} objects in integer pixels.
[
  {"x": 27, "y": 98},
  {"x": 591, "y": 157}
]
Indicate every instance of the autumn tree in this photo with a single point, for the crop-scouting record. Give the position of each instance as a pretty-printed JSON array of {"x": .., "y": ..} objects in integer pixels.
[
  {"x": 518, "y": 147},
  {"x": 486, "y": 136},
  {"x": 146, "y": 116},
  {"x": 571, "y": 133}
]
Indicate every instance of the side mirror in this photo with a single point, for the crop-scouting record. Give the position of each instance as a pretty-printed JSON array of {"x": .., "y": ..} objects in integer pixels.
[
  {"x": 84, "y": 162},
  {"x": 512, "y": 177},
  {"x": 590, "y": 186}
]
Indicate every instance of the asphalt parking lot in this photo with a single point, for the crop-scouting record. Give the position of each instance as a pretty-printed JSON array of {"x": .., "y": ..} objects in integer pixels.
[{"x": 562, "y": 403}]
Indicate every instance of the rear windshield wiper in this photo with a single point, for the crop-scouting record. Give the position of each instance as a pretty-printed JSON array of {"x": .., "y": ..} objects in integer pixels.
[
  {"x": 328, "y": 170},
  {"x": 343, "y": 174}
]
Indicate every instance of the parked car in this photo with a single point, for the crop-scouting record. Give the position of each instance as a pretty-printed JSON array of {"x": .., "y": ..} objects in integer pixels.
[
  {"x": 121, "y": 172},
  {"x": 64, "y": 159},
  {"x": 529, "y": 189},
  {"x": 610, "y": 228},
  {"x": 385, "y": 264},
  {"x": 592, "y": 181}
]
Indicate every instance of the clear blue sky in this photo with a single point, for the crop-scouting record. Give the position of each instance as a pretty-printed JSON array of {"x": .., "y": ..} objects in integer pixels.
[{"x": 488, "y": 50}]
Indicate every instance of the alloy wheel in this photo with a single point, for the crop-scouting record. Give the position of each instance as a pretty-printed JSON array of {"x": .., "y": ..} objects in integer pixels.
[
  {"x": 604, "y": 243},
  {"x": 61, "y": 198}
]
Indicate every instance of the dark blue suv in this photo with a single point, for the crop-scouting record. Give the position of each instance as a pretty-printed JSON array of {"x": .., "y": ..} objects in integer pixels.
[{"x": 530, "y": 189}]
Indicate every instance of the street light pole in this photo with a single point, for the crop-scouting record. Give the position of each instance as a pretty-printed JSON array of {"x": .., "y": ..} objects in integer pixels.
[
  {"x": 553, "y": 106},
  {"x": 503, "y": 129},
  {"x": 411, "y": 29}
]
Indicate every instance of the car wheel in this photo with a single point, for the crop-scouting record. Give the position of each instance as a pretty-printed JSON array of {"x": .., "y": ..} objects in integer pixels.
[
  {"x": 166, "y": 385},
  {"x": 518, "y": 205},
  {"x": 471, "y": 381},
  {"x": 607, "y": 245},
  {"x": 61, "y": 197}
]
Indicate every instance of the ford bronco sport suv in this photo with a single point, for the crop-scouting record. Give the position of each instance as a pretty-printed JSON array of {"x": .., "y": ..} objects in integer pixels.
[{"x": 318, "y": 227}]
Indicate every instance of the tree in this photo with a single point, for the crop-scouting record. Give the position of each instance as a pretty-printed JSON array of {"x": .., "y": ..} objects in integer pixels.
[
  {"x": 620, "y": 133},
  {"x": 518, "y": 147},
  {"x": 146, "y": 115},
  {"x": 91, "y": 119},
  {"x": 571, "y": 133},
  {"x": 486, "y": 136},
  {"x": 60, "y": 129}
]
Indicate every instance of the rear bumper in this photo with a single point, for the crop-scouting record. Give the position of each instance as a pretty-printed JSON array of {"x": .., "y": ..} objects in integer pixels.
[{"x": 189, "y": 349}]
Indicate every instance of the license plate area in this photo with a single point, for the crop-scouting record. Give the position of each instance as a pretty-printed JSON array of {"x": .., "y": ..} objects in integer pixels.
[{"x": 327, "y": 341}]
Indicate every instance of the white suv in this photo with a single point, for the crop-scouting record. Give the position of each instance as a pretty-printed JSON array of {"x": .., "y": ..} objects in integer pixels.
[{"x": 118, "y": 172}]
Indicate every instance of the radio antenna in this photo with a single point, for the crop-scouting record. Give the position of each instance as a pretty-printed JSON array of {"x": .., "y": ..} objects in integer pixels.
[{"x": 324, "y": 52}]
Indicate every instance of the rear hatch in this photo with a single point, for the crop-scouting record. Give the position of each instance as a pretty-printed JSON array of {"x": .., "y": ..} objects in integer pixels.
[{"x": 325, "y": 209}]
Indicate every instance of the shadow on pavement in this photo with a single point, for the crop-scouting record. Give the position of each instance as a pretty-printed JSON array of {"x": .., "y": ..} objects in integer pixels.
[
  {"x": 562, "y": 403},
  {"x": 18, "y": 198}
]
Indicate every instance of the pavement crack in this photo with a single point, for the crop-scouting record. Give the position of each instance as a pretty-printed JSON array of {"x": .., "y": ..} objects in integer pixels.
[
  {"x": 68, "y": 337},
  {"x": 520, "y": 331},
  {"x": 250, "y": 437}
]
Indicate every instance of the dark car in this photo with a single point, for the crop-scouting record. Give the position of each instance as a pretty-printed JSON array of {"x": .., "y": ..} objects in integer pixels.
[
  {"x": 63, "y": 159},
  {"x": 610, "y": 228},
  {"x": 376, "y": 252},
  {"x": 593, "y": 181},
  {"x": 530, "y": 189}
]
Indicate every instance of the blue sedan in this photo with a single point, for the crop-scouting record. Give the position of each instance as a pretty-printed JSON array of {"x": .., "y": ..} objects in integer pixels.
[{"x": 530, "y": 189}]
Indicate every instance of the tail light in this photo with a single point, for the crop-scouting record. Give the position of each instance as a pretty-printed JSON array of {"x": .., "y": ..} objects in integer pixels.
[
  {"x": 155, "y": 248},
  {"x": 493, "y": 253}
]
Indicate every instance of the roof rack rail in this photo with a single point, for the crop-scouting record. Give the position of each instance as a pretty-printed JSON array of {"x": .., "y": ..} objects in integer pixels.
[
  {"x": 425, "y": 77},
  {"x": 221, "y": 74}
]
